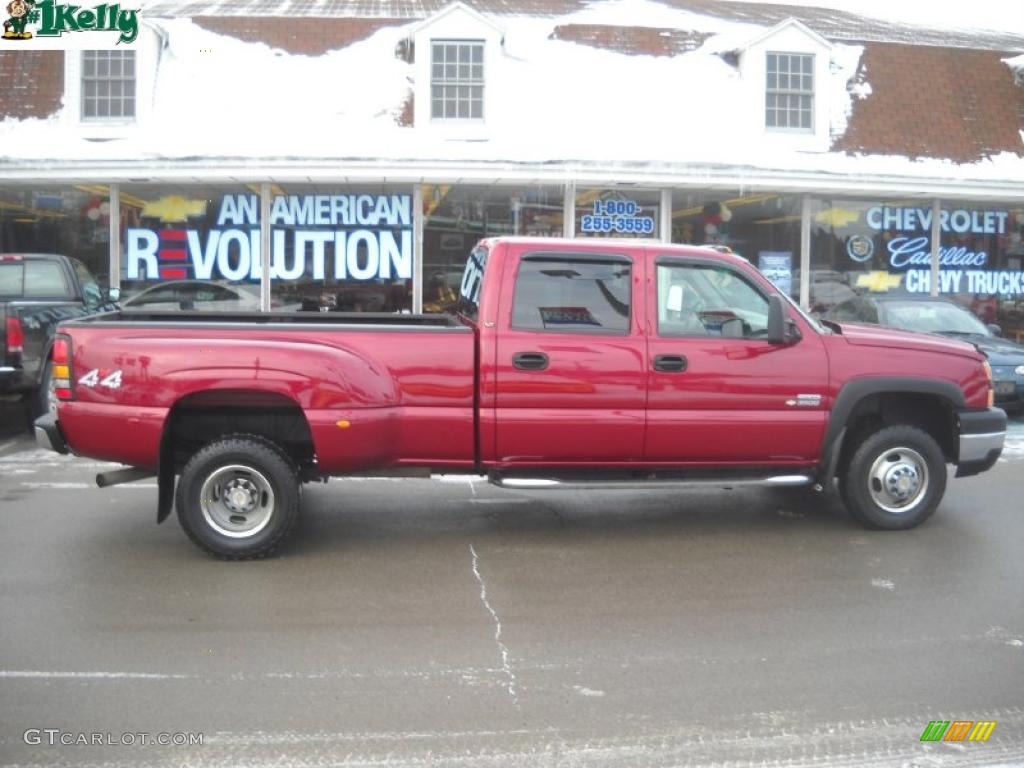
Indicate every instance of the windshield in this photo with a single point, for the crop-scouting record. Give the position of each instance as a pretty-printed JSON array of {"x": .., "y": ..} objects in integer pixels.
[{"x": 932, "y": 317}]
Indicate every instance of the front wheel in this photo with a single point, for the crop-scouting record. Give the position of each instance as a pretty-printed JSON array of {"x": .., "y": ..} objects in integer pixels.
[
  {"x": 238, "y": 497},
  {"x": 895, "y": 479}
]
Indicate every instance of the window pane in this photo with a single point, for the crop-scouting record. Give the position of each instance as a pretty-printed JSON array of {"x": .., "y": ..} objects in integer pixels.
[
  {"x": 129, "y": 107},
  {"x": 44, "y": 278},
  {"x": 709, "y": 301},
  {"x": 463, "y": 109},
  {"x": 88, "y": 65},
  {"x": 564, "y": 295},
  {"x": 476, "y": 110},
  {"x": 10, "y": 279},
  {"x": 129, "y": 63},
  {"x": 478, "y": 54}
]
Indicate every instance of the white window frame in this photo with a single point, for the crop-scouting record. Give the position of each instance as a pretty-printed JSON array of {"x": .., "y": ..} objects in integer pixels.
[
  {"x": 790, "y": 92},
  {"x": 133, "y": 80},
  {"x": 458, "y": 82}
]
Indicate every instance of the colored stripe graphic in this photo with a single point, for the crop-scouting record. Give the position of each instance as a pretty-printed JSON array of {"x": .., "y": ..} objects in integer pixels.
[
  {"x": 982, "y": 730},
  {"x": 173, "y": 254},
  {"x": 958, "y": 730},
  {"x": 935, "y": 730}
]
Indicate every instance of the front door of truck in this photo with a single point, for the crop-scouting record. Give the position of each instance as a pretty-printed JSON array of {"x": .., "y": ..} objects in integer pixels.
[
  {"x": 718, "y": 392},
  {"x": 571, "y": 358}
]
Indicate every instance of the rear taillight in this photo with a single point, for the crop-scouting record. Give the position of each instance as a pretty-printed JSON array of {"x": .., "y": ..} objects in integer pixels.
[
  {"x": 62, "y": 368},
  {"x": 15, "y": 336}
]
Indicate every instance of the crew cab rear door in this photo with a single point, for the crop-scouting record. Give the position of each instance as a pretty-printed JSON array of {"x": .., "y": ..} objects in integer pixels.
[
  {"x": 570, "y": 368},
  {"x": 718, "y": 391}
]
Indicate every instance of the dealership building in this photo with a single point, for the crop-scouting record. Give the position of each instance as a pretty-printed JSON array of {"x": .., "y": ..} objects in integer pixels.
[{"x": 364, "y": 148}]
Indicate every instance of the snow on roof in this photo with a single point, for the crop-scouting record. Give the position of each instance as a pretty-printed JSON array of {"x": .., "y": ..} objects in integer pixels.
[{"x": 248, "y": 105}]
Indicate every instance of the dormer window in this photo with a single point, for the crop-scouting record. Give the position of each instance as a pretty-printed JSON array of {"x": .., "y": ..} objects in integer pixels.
[
  {"x": 457, "y": 80},
  {"x": 108, "y": 85},
  {"x": 789, "y": 95}
]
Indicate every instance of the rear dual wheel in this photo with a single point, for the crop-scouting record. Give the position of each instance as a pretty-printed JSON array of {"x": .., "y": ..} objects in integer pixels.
[{"x": 238, "y": 497}]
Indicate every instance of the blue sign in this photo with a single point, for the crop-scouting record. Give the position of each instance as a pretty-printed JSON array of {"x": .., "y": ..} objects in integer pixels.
[{"x": 619, "y": 216}]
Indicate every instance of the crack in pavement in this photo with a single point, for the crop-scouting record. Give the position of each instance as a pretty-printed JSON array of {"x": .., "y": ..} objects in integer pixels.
[{"x": 505, "y": 665}]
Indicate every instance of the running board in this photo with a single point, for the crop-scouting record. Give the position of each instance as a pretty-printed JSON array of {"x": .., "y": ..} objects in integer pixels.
[{"x": 654, "y": 481}]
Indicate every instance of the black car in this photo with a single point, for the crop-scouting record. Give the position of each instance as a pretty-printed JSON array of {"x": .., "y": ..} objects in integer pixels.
[
  {"x": 37, "y": 291},
  {"x": 927, "y": 314}
]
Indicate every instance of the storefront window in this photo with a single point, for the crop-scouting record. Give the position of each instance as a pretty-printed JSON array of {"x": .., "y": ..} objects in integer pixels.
[
  {"x": 762, "y": 228},
  {"x": 617, "y": 213},
  {"x": 456, "y": 217},
  {"x": 68, "y": 220},
  {"x": 981, "y": 262},
  {"x": 884, "y": 246},
  {"x": 342, "y": 248},
  {"x": 190, "y": 248},
  {"x": 850, "y": 250}
]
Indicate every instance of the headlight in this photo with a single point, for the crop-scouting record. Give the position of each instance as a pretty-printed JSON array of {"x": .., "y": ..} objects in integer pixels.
[{"x": 1019, "y": 370}]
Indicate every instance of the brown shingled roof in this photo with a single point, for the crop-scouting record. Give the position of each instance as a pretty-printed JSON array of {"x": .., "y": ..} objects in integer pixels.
[
  {"x": 304, "y": 36},
  {"x": 33, "y": 83},
  {"x": 651, "y": 41},
  {"x": 936, "y": 102}
]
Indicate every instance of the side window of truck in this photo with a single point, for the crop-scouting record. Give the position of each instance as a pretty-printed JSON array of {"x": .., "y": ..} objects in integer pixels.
[
  {"x": 45, "y": 279},
  {"x": 705, "y": 300},
  {"x": 92, "y": 294},
  {"x": 559, "y": 294}
]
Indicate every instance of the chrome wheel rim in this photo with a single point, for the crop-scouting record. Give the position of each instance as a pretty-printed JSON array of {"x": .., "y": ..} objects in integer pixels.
[
  {"x": 237, "y": 501},
  {"x": 898, "y": 480}
]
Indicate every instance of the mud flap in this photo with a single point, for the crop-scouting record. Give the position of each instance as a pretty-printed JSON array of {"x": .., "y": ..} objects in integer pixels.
[{"x": 165, "y": 481}]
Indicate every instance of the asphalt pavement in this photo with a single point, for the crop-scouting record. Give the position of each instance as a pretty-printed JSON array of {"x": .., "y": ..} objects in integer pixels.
[{"x": 416, "y": 623}]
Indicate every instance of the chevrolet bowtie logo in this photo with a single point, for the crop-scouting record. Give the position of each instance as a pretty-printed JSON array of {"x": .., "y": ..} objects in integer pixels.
[
  {"x": 879, "y": 282},
  {"x": 837, "y": 218},
  {"x": 174, "y": 208}
]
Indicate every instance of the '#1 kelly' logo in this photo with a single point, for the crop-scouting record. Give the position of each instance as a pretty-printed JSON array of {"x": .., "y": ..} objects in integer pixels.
[
  {"x": 958, "y": 730},
  {"x": 54, "y": 19}
]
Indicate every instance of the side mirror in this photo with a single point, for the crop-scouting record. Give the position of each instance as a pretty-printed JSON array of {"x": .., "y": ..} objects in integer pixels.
[
  {"x": 996, "y": 330},
  {"x": 776, "y": 320},
  {"x": 113, "y": 294}
]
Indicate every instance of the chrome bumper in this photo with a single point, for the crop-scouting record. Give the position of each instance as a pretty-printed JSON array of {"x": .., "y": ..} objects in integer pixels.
[
  {"x": 978, "y": 447},
  {"x": 982, "y": 434}
]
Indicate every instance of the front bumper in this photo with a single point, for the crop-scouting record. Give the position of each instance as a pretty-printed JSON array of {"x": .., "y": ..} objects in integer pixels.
[
  {"x": 981, "y": 440},
  {"x": 48, "y": 434}
]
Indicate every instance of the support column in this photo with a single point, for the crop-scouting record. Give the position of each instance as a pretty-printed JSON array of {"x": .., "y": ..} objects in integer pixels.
[
  {"x": 569, "y": 210},
  {"x": 665, "y": 228},
  {"x": 933, "y": 276},
  {"x": 805, "y": 252},
  {"x": 114, "y": 200},
  {"x": 418, "y": 221},
  {"x": 266, "y": 247}
]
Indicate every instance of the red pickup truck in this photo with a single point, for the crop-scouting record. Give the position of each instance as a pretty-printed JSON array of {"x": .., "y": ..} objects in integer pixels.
[{"x": 564, "y": 363}]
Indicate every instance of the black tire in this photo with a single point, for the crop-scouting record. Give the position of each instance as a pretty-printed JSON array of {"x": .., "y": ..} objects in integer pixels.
[
  {"x": 895, "y": 478},
  {"x": 263, "y": 506}
]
